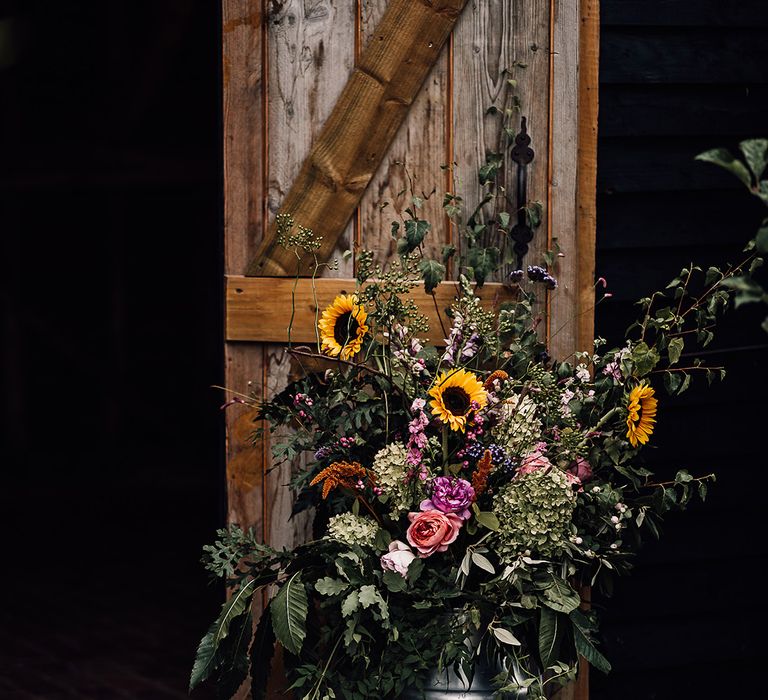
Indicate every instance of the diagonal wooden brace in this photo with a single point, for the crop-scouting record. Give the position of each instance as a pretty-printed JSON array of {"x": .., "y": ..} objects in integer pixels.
[{"x": 361, "y": 127}]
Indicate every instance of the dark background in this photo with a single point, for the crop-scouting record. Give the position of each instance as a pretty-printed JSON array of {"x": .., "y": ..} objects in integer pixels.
[{"x": 111, "y": 324}]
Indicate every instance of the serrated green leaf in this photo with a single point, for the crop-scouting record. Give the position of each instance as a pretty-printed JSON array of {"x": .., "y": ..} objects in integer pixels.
[
  {"x": 351, "y": 604},
  {"x": 675, "y": 349},
  {"x": 432, "y": 272},
  {"x": 207, "y": 657},
  {"x": 330, "y": 586},
  {"x": 289, "y": 610},
  {"x": 394, "y": 582}
]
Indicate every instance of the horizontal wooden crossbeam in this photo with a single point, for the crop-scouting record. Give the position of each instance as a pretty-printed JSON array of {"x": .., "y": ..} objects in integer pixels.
[{"x": 259, "y": 309}]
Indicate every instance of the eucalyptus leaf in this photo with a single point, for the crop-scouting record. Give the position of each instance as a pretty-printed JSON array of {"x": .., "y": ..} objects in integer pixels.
[
  {"x": 482, "y": 561},
  {"x": 505, "y": 636}
]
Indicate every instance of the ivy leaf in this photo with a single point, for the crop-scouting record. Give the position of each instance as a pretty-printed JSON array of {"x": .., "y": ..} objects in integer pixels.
[
  {"x": 415, "y": 230},
  {"x": 484, "y": 262},
  {"x": 207, "y": 657},
  {"x": 550, "y": 633},
  {"x": 761, "y": 240},
  {"x": 645, "y": 358},
  {"x": 675, "y": 349},
  {"x": 289, "y": 614},
  {"x": 432, "y": 272},
  {"x": 754, "y": 151},
  {"x": 725, "y": 159},
  {"x": 448, "y": 252}
]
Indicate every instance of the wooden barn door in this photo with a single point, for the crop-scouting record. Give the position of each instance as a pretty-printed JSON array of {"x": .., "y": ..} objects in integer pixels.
[{"x": 285, "y": 65}]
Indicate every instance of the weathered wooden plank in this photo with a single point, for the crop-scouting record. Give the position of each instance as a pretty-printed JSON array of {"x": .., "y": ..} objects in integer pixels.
[
  {"x": 688, "y": 55},
  {"x": 564, "y": 303},
  {"x": 414, "y": 159},
  {"x": 492, "y": 38},
  {"x": 586, "y": 185},
  {"x": 363, "y": 123},
  {"x": 310, "y": 54},
  {"x": 243, "y": 124},
  {"x": 259, "y": 309}
]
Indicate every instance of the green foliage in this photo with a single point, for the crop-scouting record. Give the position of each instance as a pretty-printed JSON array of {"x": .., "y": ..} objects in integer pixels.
[
  {"x": 213, "y": 657},
  {"x": 288, "y": 611},
  {"x": 750, "y": 171}
]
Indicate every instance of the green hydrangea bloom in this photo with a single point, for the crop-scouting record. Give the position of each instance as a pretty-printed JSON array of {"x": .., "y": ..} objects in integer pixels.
[
  {"x": 534, "y": 512},
  {"x": 391, "y": 469},
  {"x": 353, "y": 529},
  {"x": 519, "y": 428}
]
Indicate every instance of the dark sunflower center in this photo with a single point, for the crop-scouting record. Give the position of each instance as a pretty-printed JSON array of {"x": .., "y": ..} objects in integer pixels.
[
  {"x": 345, "y": 328},
  {"x": 456, "y": 400}
]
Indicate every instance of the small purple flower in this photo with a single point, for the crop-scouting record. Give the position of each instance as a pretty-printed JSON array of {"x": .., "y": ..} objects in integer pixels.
[{"x": 450, "y": 495}]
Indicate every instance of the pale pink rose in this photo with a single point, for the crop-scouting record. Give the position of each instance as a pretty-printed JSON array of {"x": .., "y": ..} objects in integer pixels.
[
  {"x": 432, "y": 531},
  {"x": 398, "y": 558},
  {"x": 581, "y": 469},
  {"x": 532, "y": 462}
]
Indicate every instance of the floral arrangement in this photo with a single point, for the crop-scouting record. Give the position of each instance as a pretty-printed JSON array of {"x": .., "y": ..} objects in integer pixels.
[{"x": 464, "y": 493}]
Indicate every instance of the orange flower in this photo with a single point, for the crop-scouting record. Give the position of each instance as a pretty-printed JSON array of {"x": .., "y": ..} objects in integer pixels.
[
  {"x": 344, "y": 474},
  {"x": 480, "y": 475},
  {"x": 499, "y": 375}
]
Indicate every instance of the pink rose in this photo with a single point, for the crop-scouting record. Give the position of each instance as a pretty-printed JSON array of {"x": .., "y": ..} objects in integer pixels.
[
  {"x": 581, "y": 469},
  {"x": 432, "y": 531},
  {"x": 398, "y": 558},
  {"x": 532, "y": 462}
]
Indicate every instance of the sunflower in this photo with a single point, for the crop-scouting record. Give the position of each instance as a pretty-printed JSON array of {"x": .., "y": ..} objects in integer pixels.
[
  {"x": 455, "y": 395},
  {"x": 342, "y": 327},
  {"x": 642, "y": 414}
]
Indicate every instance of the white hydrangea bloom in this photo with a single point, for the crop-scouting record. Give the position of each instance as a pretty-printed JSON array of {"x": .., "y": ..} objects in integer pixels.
[{"x": 352, "y": 529}]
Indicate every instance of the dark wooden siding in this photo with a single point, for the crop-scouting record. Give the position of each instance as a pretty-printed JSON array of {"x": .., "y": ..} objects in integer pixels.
[{"x": 679, "y": 77}]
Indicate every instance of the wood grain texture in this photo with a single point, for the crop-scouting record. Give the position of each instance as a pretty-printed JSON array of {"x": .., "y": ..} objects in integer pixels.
[
  {"x": 243, "y": 104},
  {"x": 362, "y": 125},
  {"x": 586, "y": 185},
  {"x": 564, "y": 307},
  {"x": 492, "y": 37},
  {"x": 259, "y": 309},
  {"x": 413, "y": 160},
  {"x": 310, "y": 54}
]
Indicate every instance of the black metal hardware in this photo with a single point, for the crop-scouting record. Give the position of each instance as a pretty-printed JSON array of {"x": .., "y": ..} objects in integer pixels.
[{"x": 522, "y": 154}]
